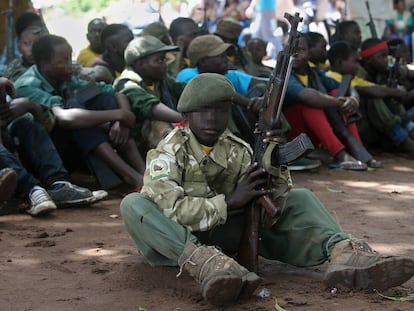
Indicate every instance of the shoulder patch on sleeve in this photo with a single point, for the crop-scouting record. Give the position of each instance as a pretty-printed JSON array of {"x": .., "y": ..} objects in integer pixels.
[{"x": 159, "y": 168}]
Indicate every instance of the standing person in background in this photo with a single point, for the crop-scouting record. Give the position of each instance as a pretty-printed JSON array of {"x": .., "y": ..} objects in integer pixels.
[
  {"x": 95, "y": 48},
  {"x": 262, "y": 26},
  {"x": 400, "y": 26},
  {"x": 356, "y": 10}
]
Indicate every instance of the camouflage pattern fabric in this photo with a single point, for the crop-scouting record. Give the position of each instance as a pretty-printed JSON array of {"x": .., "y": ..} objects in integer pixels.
[{"x": 189, "y": 186}]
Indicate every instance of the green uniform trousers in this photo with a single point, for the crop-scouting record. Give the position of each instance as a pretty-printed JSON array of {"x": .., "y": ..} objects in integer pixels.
[
  {"x": 378, "y": 119},
  {"x": 304, "y": 235}
]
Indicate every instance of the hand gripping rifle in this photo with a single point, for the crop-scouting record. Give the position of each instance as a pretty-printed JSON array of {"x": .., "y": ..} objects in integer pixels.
[
  {"x": 371, "y": 24},
  {"x": 269, "y": 118}
]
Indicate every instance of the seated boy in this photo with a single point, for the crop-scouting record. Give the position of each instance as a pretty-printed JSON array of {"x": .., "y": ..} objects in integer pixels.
[
  {"x": 34, "y": 147},
  {"x": 305, "y": 103},
  {"x": 197, "y": 184},
  {"x": 382, "y": 107},
  {"x": 344, "y": 60},
  {"x": 153, "y": 95},
  {"x": 50, "y": 82}
]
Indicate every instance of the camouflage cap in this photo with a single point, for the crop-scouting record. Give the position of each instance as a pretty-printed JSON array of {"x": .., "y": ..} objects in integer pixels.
[
  {"x": 157, "y": 30},
  {"x": 204, "y": 46},
  {"x": 144, "y": 46},
  {"x": 203, "y": 90},
  {"x": 229, "y": 28}
]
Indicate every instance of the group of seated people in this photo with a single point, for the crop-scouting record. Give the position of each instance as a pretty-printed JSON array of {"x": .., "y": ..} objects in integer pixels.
[
  {"x": 186, "y": 101},
  {"x": 119, "y": 99}
]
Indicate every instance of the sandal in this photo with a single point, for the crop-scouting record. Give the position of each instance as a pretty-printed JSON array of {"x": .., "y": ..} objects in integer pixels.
[
  {"x": 375, "y": 164},
  {"x": 349, "y": 165}
]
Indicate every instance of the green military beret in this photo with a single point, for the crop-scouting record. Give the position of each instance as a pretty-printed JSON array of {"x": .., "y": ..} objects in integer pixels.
[
  {"x": 229, "y": 28},
  {"x": 206, "y": 45},
  {"x": 144, "y": 46},
  {"x": 203, "y": 90}
]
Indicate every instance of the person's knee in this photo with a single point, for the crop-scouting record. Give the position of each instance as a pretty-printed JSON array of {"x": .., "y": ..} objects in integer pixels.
[
  {"x": 302, "y": 194},
  {"x": 135, "y": 205}
]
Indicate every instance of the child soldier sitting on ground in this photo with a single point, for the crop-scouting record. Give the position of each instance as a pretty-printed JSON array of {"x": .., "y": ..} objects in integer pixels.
[
  {"x": 198, "y": 182},
  {"x": 42, "y": 166},
  {"x": 79, "y": 116},
  {"x": 152, "y": 94},
  {"x": 382, "y": 107},
  {"x": 344, "y": 60}
]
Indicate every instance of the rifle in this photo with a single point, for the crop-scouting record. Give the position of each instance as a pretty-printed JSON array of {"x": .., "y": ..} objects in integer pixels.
[
  {"x": 371, "y": 24},
  {"x": 269, "y": 118},
  {"x": 9, "y": 33},
  {"x": 392, "y": 80},
  {"x": 355, "y": 148}
]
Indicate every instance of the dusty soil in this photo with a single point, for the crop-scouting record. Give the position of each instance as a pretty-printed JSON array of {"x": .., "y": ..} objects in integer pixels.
[{"x": 82, "y": 258}]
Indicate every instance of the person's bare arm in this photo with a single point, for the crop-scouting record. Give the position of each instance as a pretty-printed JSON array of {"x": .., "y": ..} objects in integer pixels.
[
  {"x": 316, "y": 99},
  {"x": 380, "y": 91},
  {"x": 164, "y": 113},
  {"x": 82, "y": 118}
]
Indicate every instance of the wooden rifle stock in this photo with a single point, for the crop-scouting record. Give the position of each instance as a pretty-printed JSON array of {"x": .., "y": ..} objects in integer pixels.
[{"x": 269, "y": 118}]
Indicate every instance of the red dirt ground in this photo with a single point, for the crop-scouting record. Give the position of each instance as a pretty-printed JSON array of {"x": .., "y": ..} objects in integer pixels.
[{"x": 82, "y": 258}]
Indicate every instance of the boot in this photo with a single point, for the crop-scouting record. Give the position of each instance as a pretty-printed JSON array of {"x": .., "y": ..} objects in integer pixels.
[
  {"x": 355, "y": 265},
  {"x": 222, "y": 279}
]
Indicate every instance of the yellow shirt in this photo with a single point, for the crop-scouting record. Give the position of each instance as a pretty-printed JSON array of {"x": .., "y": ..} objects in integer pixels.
[
  {"x": 87, "y": 57},
  {"x": 356, "y": 81},
  {"x": 303, "y": 78}
]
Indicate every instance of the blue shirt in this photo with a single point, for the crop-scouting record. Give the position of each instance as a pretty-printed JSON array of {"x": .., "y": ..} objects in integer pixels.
[
  {"x": 295, "y": 86},
  {"x": 240, "y": 80}
]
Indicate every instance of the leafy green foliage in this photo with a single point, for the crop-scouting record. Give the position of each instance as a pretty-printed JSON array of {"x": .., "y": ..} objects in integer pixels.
[{"x": 83, "y": 6}]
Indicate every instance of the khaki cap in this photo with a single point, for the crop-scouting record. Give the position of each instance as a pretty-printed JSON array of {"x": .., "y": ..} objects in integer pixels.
[
  {"x": 205, "y": 46},
  {"x": 157, "y": 30},
  {"x": 229, "y": 28},
  {"x": 203, "y": 90},
  {"x": 144, "y": 46}
]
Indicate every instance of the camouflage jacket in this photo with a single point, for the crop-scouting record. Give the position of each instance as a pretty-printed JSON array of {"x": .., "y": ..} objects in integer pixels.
[{"x": 189, "y": 186}]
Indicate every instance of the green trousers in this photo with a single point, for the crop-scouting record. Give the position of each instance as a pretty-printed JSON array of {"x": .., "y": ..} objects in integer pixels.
[
  {"x": 378, "y": 119},
  {"x": 303, "y": 236}
]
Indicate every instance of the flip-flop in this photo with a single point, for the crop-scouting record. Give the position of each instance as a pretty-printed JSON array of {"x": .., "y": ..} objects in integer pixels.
[
  {"x": 350, "y": 166},
  {"x": 375, "y": 164}
]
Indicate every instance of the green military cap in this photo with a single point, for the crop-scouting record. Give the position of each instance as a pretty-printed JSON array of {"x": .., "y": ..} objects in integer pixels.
[
  {"x": 203, "y": 90},
  {"x": 206, "y": 45},
  {"x": 157, "y": 30},
  {"x": 144, "y": 46},
  {"x": 228, "y": 28}
]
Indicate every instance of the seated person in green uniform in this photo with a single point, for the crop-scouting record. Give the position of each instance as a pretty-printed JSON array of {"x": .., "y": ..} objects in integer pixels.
[
  {"x": 382, "y": 122},
  {"x": 152, "y": 94},
  {"x": 197, "y": 183},
  {"x": 229, "y": 29},
  {"x": 79, "y": 119}
]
